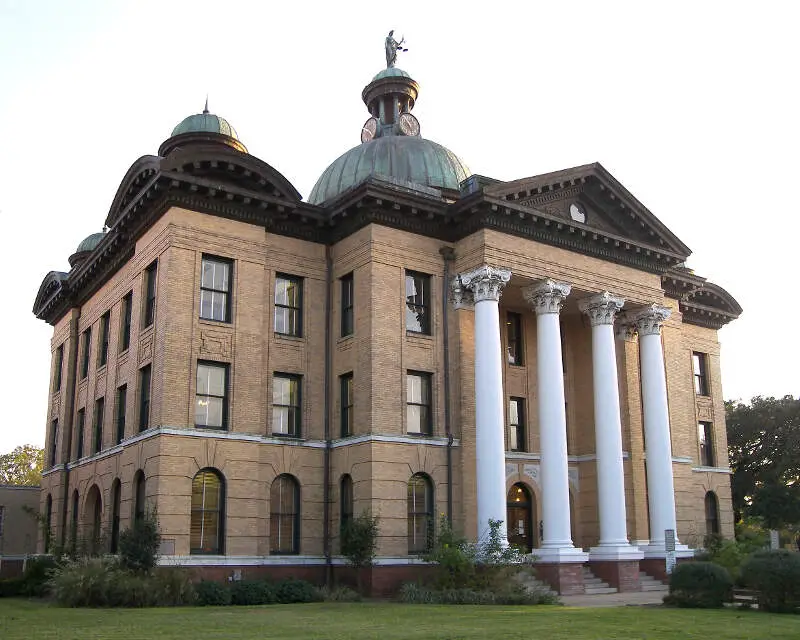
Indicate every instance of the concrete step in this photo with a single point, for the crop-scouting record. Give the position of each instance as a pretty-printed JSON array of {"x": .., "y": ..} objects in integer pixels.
[
  {"x": 596, "y": 591},
  {"x": 595, "y": 585},
  {"x": 653, "y": 586}
]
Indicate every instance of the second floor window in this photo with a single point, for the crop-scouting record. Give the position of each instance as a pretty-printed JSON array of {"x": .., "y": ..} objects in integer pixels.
[
  {"x": 516, "y": 425},
  {"x": 53, "y": 442},
  {"x": 700, "y": 374},
  {"x": 704, "y": 436},
  {"x": 99, "y": 413},
  {"x": 127, "y": 310},
  {"x": 105, "y": 320},
  {"x": 418, "y": 302},
  {"x": 288, "y": 305},
  {"x": 87, "y": 343},
  {"x": 144, "y": 398},
  {"x": 418, "y": 403},
  {"x": 150, "y": 294},
  {"x": 215, "y": 288},
  {"x": 346, "y": 404},
  {"x": 347, "y": 305},
  {"x": 211, "y": 402},
  {"x": 122, "y": 407},
  {"x": 58, "y": 366},
  {"x": 286, "y": 413},
  {"x": 514, "y": 337},
  {"x": 81, "y": 425}
]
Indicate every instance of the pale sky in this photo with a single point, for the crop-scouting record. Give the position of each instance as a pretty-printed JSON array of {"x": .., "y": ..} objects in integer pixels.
[{"x": 691, "y": 105}]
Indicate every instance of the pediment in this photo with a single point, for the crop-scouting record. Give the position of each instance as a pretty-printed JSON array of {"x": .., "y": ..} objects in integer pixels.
[
  {"x": 53, "y": 288},
  {"x": 608, "y": 207}
]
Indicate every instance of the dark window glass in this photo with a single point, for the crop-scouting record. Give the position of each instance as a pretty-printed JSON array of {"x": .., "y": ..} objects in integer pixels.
[
  {"x": 48, "y": 532},
  {"x": 53, "y": 441},
  {"x": 516, "y": 425},
  {"x": 144, "y": 398},
  {"x": 208, "y": 513},
  {"x": 347, "y": 305},
  {"x": 59, "y": 367},
  {"x": 122, "y": 408},
  {"x": 74, "y": 528},
  {"x": 97, "y": 520},
  {"x": 418, "y": 403},
  {"x": 99, "y": 413},
  {"x": 150, "y": 294},
  {"x": 345, "y": 502},
  {"x": 104, "y": 322},
  {"x": 706, "y": 444},
  {"x": 514, "y": 348},
  {"x": 700, "y": 375},
  {"x": 127, "y": 312},
  {"x": 286, "y": 407},
  {"x": 211, "y": 399},
  {"x": 139, "y": 495},
  {"x": 418, "y": 302},
  {"x": 288, "y": 305},
  {"x": 116, "y": 501},
  {"x": 81, "y": 425},
  {"x": 284, "y": 503},
  {"x": 215, "y": 289},
  {"x": 420, "y": 514},
  {"x": 87, "y": 343},
  {"x": 346, "y": 404},
  {"x": 712, "y": 514}
]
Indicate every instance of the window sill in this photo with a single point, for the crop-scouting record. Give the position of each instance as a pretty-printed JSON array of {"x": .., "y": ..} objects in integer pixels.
[
  {"x": 206, "y": 427},
  {"x": 215, "y": 323},
  {"x": 288, "y": 337},
  {"x": 421, "y": 436},
  {"x": 123, "y": 355},
  {"x": 285, "y": 436},
  {"x": 102, "y": 369},
  {"x": 418, "y": 334},
  {"x": 346, "y": 338},
  {"x": 516, "y": 366}
]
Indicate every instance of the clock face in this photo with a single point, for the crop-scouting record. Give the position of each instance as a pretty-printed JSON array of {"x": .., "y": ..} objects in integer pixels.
[
  {"x": 369, "y": 130},
  {"x": 577, "y": 212},
  {"x": 409, "y": 125}
]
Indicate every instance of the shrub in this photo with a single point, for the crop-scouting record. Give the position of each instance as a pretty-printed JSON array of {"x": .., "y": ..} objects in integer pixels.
[
  {"x": 703, "y": 585},
  {"x": 338, "y": 594},
  {"x": 454, "y": 557},
  {"x": 291, "y": 590},
  {"x": 730, "y": 554},
  {"x": 11, "y": 587},
  {"x": 37, "y": 573},
  {"x": 252, "y": 592},
  {"x": 360, "y": 542},
  {"x": 212, "y": 594},
  {"x": 138, "y": 545},
  {"x": 413, "y": 593},
  {"x": 776, "y": 576}
]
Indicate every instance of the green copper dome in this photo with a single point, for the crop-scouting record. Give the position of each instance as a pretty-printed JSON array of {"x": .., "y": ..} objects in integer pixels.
[
  {"x": 403, "y": 158},
  {"x": 89, "y": 243},
  {"x": 205, "y": 122},
  {"x": 391, "y": 72}
]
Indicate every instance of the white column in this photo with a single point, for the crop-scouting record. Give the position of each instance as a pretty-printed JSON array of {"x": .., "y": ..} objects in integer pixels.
[
  {"x": 547, "y": 297},
  {"x": 486, "y": 284},
  {"x": 601, "y": 310},
  {"x": 660, "y": 488}
]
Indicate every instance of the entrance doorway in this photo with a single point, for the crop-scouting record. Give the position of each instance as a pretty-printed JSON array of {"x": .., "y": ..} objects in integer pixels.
[{"x": 519, "y": 515}]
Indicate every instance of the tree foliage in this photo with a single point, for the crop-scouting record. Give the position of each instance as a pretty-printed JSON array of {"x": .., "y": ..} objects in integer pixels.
[
  {"x": 23, "y": 466},
  {"x": 764, "y": 452}
]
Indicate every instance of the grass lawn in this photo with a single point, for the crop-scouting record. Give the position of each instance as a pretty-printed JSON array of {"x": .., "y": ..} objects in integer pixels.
[{"x": 24, "y": 620}]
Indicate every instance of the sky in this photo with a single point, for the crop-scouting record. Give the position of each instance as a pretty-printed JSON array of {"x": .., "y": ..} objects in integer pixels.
[{"x": 691, "y": 105}]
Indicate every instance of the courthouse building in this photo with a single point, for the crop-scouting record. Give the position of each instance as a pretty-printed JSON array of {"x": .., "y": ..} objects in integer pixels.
[{"x": 412, "y": 339}]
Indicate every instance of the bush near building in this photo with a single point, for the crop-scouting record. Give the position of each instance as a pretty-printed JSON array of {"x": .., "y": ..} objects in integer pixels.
[
  {"x": 776, "y": 577},
  {"x": 700, "y": 585}
]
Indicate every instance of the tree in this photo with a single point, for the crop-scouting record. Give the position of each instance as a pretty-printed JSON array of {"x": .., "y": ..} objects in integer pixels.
[
  {"x": 23, "y": 466},
  {"x": 764, "y": 452},
  {"x": 360, "y": 542}
]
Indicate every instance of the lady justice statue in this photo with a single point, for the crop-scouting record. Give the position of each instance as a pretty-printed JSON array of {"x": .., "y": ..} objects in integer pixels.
[{"x": 392, "y": 47}]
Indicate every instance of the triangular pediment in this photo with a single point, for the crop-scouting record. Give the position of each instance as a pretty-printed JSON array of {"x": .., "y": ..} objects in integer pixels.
[{"x": 591, "y": 199}]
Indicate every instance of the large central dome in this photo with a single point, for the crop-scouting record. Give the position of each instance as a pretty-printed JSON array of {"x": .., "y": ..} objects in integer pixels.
[{"x": 391, "y": 146}]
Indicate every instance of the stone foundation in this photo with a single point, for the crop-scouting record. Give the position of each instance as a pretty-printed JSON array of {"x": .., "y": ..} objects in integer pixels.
[
  {"x": 564, "y": 578},
  {"x": 620, "y": 574}
]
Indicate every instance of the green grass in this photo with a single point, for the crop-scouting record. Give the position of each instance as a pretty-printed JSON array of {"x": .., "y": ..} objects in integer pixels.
[{"x": 21, "y": 619}]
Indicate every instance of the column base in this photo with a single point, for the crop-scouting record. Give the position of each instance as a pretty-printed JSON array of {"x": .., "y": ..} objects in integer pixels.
[
  {"x": 623, "y": 575},
  {"x": 615, "y": 553},
  {"x": 560, "y": 554},
  {"x": 658, "y": 550},
  {"x": 565, "y": 578}
]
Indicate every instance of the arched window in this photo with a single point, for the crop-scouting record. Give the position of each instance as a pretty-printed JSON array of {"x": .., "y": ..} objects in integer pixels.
[
  {"x": 48, "y": 514},
  {"x": 93, "y": 510},
  {"x": 208, "y": 513},
  {"x": 420, "y": 513},
  {"x": 116, "y": 499},
  {"x": 712, "y": 514},
  {"x": 138, "y": 495},
  {"x": 284, "y": 502},
  {"x": 345, "y": 501},
  {"x": 74, "y": 528}
]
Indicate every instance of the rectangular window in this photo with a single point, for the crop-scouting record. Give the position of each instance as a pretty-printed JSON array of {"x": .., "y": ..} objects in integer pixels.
[
  {"x": 87, "y": 343},
  {"x": 150, "y": 293},
  {"x": 211, "y": 399},
  {"x": 418, "y": 302},
  {"x": 514, "y": 337},
  {"x": 347, "y": 305},
  {"x": 516, "y": 425},
  {"x": 105, "y": 320},
  {"x": 706, "y": 444},
  {"x": 58, "y": 366},
  {"x": 99, "y": 414},
  {"x": 215, "y": 289},
  {"x": 81, "y": 425},
  {"x": 418, "y": 403},
  {"x": 53, "y": 441},
  {"x": 700, "y": 374},
  {"x": 346, "y": 404},
  {"x": 122, "y": 407},
  {"x": 288, "y": 305},
  {"x": 144, "y": 398},
  {"x": 127, "y": 310},
  {"x": 286, "y": 407}
]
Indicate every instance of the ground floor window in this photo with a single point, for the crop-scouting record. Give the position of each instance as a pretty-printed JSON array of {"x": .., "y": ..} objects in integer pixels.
[
  {"x": 420, "y": 513},
  {"x": 284, "y": 503},
  {"x": 208, "y": 500}
]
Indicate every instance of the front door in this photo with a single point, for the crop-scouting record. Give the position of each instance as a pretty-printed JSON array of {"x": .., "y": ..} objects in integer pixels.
[{"x": 519, "y": 514}]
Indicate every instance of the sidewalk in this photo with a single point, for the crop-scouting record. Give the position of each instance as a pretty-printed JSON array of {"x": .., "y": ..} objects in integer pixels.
[{"x": 635, "y": 598}]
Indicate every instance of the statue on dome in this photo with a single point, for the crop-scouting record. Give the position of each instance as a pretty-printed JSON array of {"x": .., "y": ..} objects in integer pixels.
[{"x": 392, "y": 47}]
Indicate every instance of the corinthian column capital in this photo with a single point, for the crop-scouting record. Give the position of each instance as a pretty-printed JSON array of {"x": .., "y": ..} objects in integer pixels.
[
  {"x": 546, "y": 296},
  {"x": 601, "y": 308},
  {"x": 647, "y": 320},
  {"x": 485, "y": 283}
]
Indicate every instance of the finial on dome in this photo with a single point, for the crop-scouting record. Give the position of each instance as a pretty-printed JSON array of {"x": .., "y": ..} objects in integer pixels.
[{"x": 205, "y": 109}]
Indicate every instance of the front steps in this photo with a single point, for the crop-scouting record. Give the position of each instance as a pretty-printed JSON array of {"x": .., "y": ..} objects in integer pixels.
[
  {"x": 594, "y": 585},
  {"x": 649, "y": 583}
]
